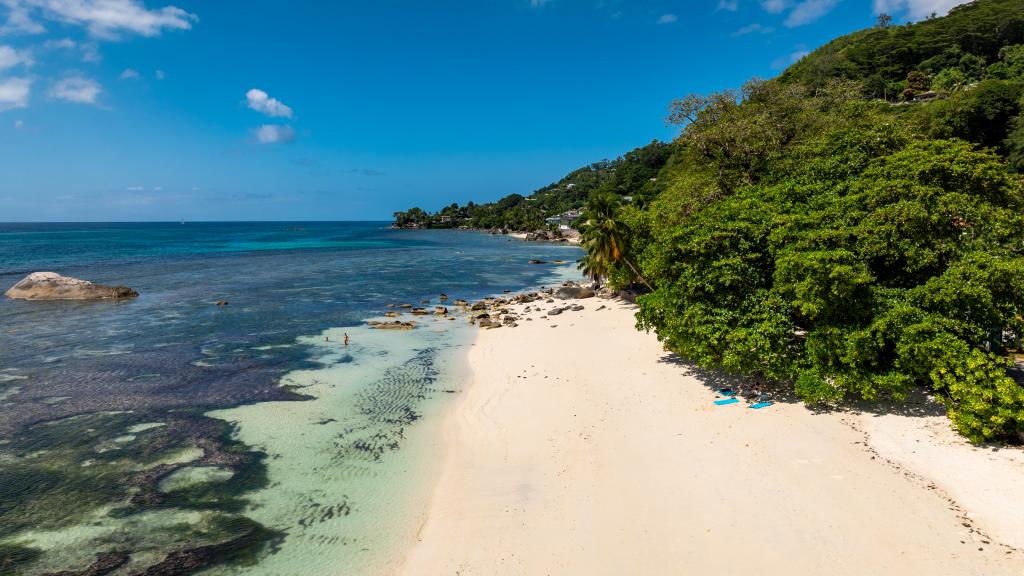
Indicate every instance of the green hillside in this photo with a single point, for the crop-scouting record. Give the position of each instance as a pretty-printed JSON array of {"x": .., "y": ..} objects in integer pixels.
[
  {"x": 969, "y": 39},
  {"x": 853, "y": 229},
  {"x": 630, "y": 174}
]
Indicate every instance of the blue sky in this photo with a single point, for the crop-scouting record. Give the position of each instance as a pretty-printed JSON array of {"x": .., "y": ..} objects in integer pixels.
[{"x": 273, "y": 110}]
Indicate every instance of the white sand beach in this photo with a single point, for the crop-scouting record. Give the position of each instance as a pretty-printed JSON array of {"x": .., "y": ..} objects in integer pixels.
[{"x": 580, "y": 447}]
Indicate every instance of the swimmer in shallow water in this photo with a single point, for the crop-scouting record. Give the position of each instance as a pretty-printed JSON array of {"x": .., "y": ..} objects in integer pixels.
[{"x": 346, "y": 338}]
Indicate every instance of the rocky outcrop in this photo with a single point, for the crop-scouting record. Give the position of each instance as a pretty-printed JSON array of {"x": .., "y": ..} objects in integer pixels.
[
  {"x": 573, "y": 292},
  {"x": 53, "y": 286},
  {"x": 396, "y": 325}
]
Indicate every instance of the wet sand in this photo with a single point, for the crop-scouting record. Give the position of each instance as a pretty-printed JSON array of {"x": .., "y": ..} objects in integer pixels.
[{"x": 580, "y": 447}]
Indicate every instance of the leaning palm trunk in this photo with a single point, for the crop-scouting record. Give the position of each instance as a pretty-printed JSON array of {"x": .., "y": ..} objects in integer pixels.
[
  {"x": 603, "y": 238},
  {"x": 637, "y": 273}
]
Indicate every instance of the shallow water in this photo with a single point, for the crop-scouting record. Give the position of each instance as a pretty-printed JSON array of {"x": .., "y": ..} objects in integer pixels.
[{"x": 167, "y": 431}]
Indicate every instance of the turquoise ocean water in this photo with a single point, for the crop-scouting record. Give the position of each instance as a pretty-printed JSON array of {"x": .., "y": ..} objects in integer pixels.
[{"x": 167, "y": 434}]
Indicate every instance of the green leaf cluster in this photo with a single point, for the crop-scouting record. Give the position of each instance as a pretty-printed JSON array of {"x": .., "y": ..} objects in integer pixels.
[
  {"x": 864, "y": 261},
  {"x": 853, "y": 229}
]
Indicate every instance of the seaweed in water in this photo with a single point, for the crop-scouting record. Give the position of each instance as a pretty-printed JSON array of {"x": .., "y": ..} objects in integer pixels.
[
  {"x": 14, "y": 557},
  {"x": 80, "y": 470},
  {"x": 388, "y": 406}
]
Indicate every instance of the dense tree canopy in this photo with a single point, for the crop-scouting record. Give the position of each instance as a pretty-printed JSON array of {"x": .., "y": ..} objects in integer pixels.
[
  {"x": 881, "y": 57},
  {"x": 853, "y": 229},
  {"x": 633, "y": 175}
]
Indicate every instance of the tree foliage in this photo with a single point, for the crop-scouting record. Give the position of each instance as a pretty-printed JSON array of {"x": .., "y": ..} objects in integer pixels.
[
  {"x": 881, "y": 57},
  {"x": 816, "y": 230},
  {"x": 634, "y": 174},
  {"x": 605, "y": 239}
]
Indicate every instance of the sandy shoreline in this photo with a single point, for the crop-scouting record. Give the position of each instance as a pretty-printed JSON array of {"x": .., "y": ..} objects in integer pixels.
[{"x": 586, "y": 449}]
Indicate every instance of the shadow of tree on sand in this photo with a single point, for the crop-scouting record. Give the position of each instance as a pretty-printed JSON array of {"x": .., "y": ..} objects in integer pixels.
[{"x": 917, "y": 404}]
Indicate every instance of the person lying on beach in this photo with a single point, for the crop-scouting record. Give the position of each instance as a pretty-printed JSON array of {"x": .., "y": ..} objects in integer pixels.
[{"x": 759, "y": 394}]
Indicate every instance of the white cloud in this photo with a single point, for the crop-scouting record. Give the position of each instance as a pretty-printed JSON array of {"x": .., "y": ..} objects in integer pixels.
[
  {"x": 158, "y": 188},
  {"x": 775, "y": 6},
  {"x": 916, "y": 9},
  {"x": 808, "y": 11},
  {"x": 728, "y": 5},
  {"x": 792, "y": 58},
  {"x": 129, "y": 74},
  {"x": 60, "y": 44},
  {"x": 752, "y": 28},
  {"x": 102, "y": 18},
  {"x": 538, "y": 3},
  {"x": 14, "y": 93},
  {"x": 274, "y": 134},
  {"x": 76, "y": 89},
  {"x": 667, "y": 19},
  {"x": 260, "y": 101},
  {"x": 135, "y": 188},
  {"x": 9, "y": 58},
  {"x": 19, "y": 124},
  {"x": 18, "y": 20},
  {"x": 159, "y": 75},
  {"x": 90, "y": 50}
]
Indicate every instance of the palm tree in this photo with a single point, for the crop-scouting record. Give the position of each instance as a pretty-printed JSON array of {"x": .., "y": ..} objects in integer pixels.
[
  {"x": 593, "y": 267},
  {"x": 604, "y": 237}
]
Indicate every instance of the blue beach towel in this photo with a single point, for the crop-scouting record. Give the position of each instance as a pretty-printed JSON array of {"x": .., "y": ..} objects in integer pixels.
[
  {"x": 760, "y": 405},
  {"x": 727, "y": 401}
]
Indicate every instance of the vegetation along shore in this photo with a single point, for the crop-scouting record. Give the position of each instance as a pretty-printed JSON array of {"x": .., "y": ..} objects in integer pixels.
[{"x": 851, "y": 229}]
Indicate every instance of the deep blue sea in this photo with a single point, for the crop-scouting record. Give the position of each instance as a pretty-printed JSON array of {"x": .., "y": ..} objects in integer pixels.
[{"x": 114, "y": 443}]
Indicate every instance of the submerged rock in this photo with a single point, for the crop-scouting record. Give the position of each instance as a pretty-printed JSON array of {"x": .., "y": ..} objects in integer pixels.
[
  {"x": 190, "y": 476},
  {"x": 53, "y": 286},
  {"x": 396, "y": 325}
]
